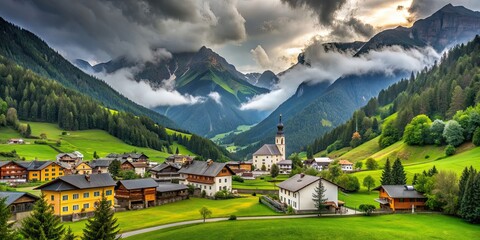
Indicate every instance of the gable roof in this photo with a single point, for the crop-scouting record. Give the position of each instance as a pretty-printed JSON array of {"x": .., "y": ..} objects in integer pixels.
[
  {"x": 72, "y": 155},
  {"x": 139, "y": 164},
  {"x": 163, "y": 166},
  {"x": 300, "y": 181},
  {"x": 168, "y": 187},
  {"x": 14, "y": 196},
  {"x": 71, "y": 182},
  {"x": 345, "y": 162},
  {"x": 268, "y": 149},
  {"x": 36, "y": 165},
  {"x": 138, "y": 183},
  {"x": 102, "y": 162},
  {"x": 400, "y": 191},
  {"x": 285, "y": 162},
  {"x": 204, "y": 168}
]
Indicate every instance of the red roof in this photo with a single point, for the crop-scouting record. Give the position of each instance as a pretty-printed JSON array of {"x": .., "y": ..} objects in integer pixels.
[{"x": 345, "y": 162}]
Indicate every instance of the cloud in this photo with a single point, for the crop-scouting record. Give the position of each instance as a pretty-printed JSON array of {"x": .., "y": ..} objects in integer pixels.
[
  {"x": 215, "y": 96},
  {"x": 424, "y": 8},
  {"x": 325, "y": 10},
  {"x": 142, "y": 93},
  {"x": 261, "y": 57},
  {"x": 331, "y": 65},
  {"x": 99, "y": 30}
]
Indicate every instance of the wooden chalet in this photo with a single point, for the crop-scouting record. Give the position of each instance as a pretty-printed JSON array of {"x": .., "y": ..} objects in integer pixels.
[
  {"x": 165, "y": 172},
  {"x": 208, "y": 176},
  {"x": 132, "y": 157},
  {"x": 70, "y": 158},
  {"x": 13, "y": 171},
  {"x": 101, "y": 165},
  {"x": 136, "y": 193},
  {"x": 171, "y": 192},
  {"x": 400, "y": 197},
  {"x": 83, "y": 168},
  {"x": 20, "y": 203},
  {"x": 178, "y": 159},
  {"x": 240, "y": 166}
]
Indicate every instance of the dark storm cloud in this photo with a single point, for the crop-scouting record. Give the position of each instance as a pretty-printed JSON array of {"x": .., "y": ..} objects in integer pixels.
[
  {"x": 108, "y": 29},
  {"x": 351, "y": 28},
  {"x": 324, "y": 9}
]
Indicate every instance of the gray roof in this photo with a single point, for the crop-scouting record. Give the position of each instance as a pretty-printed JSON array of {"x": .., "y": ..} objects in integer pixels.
[
  {"x": 400, "y": 191},
  {"x": 203, "y": 168},
  {"x": 71, "y": 182},
  {"x": 297, "y": 182},
  {"x": 104, "y": 162},
  {"x": 162, "y": 166},
  {"x": 13, "y": 196},
  {"x": 72, "y": 155},
  {"x": 35, "y": 165},
  {"x": 268, "y": 149},
  {"x": 4, "y": 163},
  {"x": 138, "y": 183},
  {"x": 169, "y": 187},
  {"x": 233, "y": 163},
  {"x": 285, "y": 162}
]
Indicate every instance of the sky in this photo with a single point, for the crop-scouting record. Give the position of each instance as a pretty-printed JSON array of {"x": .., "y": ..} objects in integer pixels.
[{"x": 253, "y": 35}]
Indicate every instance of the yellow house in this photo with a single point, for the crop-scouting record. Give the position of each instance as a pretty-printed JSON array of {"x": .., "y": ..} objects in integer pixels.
[
  {"x": 75, "y": 196},
  {"x": 44, "y": 170},
  {"x": 83, "y": 168}
]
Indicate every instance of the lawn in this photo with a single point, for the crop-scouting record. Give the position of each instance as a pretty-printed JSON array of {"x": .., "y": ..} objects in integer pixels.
[
  {"x": 353, "y": 200},
  {"x": 363, "y": 151},
  {"x": 394, "y": 226},
  {"x": 182, "y": 211},
  {"x": 260, "y": 184},
  {"x": 85, "y": 141}
]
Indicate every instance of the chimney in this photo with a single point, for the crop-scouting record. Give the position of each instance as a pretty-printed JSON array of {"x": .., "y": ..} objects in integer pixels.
[
  {"x": 209, "y": 162},
  {"x": 87, "y": 177},
  {"x": 302, "y": 175}
]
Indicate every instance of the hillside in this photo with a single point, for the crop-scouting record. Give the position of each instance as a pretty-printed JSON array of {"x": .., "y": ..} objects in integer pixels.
[{"x": 85, "y": 141}]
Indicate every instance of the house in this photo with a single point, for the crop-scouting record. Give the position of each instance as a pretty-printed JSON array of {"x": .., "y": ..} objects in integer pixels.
[
  {"x": 346, "y": 165},
  {"x": 285, "y": 166},
  {"x": 178, "y": 159},
  {"x": 19, "y": 203},
  {"x": 83, "y": 168},
  {"x": 139, "y": 167},
  {"x": 43, "y": 170},
  {"x": 75, "y": 196},
  {"x": 240, "y": 166},
  {"x": 165, "y": 172},
  {"x": 101, "y": 165},
  {"x": 13, "y": 171},
  {"x": 70, "y": 158},
  {"x": 270, "y": 154},
  {"x": 318, "y": 163},
  {"x": 136, "y": 193},
  {"x": 400, "y": 197},
  {"x": 132, "y": 157},
  {"x": 15, "y": 141},
  {"x": 209, "y": 176},
  {"x": 297, "y": 192},
  {"x": 171, "y": 192}
]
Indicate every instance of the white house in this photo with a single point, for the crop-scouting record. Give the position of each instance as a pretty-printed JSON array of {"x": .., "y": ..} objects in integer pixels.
[
  {"x": 270, "y": 154},
  {"x": 285, "y": 166},
  {"x": 208, "y": 176},
  {"x": 297, "y": 192},
  {"x": 346, "y": 165},
  {"x": 318, "y": 163}
]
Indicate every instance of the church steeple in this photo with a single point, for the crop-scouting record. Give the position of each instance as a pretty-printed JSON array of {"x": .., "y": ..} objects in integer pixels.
[{"x": 280, "y": 126}]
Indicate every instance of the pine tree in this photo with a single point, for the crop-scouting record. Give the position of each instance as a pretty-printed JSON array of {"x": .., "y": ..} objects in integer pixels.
[
  {"x": 95, "y": 155},
  {"x": 274, "y": 170},
  {"x": 28, "y": 132},
  {"x": 318, "y": 197},
  {"x": 462, "y": 185},
  {"x": 469, "y": 210},
  {"x": 177, "y": 151},
  {"x": 415, "y": 177},
  {"x": 103, "y": 225},
  {"x": 69, "y": 235},
  {"x": 6, "y": 231},
  {"x": 398, "y": 174},
  {"x": 42, "y": 223},
  {"x": 386, "y": 178},
  {"x": 114, "y": 168}
]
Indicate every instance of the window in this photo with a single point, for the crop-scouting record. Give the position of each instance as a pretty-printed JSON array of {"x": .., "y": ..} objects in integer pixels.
[
  {"x": 75, "y": 196},
  {"x": 60, "y": 173},
  {"x": 86, "y": 195},
  {"x": 52, "y": 197},
  {"x": 46, "y": 170},
  {"x": 219, "y": 180},
  {"x": 401, "y": 200},
  {"x": 53, "y": 174},
  {"x": 226, "y": 179},
  {"x": 46, "y": 179},
  {"x": 108, "y": 193},
  {"x": 210, "y": 187},
  {"x": 46, "y": 174},
  {"x": 65, "y": 209},
  {"x": 96, "y": 194},
  {"x": 65, "y": 197},
  {"x": 35, "y": 174},
  {"x": 53, "y": 169},
  {"x": 75, "y": 207}
]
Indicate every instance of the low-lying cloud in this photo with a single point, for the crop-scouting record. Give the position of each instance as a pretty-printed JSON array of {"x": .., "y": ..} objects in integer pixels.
[{"x": 331, "y": 65}]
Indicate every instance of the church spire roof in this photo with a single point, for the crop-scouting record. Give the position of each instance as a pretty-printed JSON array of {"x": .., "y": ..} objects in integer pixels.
[{"x": 280, "y": 126}]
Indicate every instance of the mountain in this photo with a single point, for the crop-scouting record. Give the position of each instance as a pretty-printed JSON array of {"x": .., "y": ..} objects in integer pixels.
[
  {"x": 449, "y": 25},
  {"x": 84, "y": 65},
  {"x": 266, "y": 80},
  {"x": 349, "y": 93},
  {"x": 29, "y": 51},
  {"x": 203, "y": 74}
]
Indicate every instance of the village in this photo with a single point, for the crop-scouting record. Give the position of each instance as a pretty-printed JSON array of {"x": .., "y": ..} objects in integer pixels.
[{"x": 74, "y": 186}]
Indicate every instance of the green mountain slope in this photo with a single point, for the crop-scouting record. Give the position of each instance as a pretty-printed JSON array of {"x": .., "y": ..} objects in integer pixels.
[{"x": 31, "y": 52}]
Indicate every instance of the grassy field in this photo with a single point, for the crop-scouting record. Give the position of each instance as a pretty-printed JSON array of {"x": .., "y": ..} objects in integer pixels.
[
  {"x": 363, "y": 151},
  {"x": 398, "y": 226},
  {"x": 85, "y": 141},
  {"x": 182, "y": 211},
  {"x": 353, "y": 200},
  {"x": 260, "y": 184}
]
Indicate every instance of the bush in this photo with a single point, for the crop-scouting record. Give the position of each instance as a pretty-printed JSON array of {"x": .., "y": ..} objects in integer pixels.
[
  {"x": 349, "y": 182},
  {"x": 367, "y": 209},
  {"x": 41, "y": 142},
  {"x": 371, "y": 164},
  {"x": 237, "y": 179},
  {"x": 232, "y": 217},
  {"x": 64, "y": 133},
  {"x": 290, "y": 210},
  {"x": 223, "y": 194},
  {"x": 254, "y": 194},
  {"x": 204, "y": 194},
  {"x": 450, "y": 150}
]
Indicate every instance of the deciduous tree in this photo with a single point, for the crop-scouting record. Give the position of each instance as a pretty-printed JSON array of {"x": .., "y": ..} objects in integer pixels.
[
  {"x": 205, "y": 213},
  {"x": 369, "y": 182}
]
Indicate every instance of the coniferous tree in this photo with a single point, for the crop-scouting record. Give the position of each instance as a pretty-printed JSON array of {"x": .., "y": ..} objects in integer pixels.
[
  {"x": 471, "y": 196},
  {"x": 177, "y": 151},
  {"x": 28, "y": 132},
  {"x": 42, "y": 223},
  {"x": 462, "y": 186},
  {"x": 274, "y": 170},
  {"x": 6, "y": 231},
  {"x": 318, "y": 197},
  {"x": 95, "y": 155},
  {"x": 103, "y": 225},
  {"x": 415, "y": 177},
  {"x": 386, "y": 178},
  {"x": 398, "y": 175},
  {"x": 69, "y": 235},
  {"x": 114, "y": 168}
]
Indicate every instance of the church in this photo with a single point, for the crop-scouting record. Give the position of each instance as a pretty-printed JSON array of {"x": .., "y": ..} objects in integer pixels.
[{"x": 270, "y": 154}]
